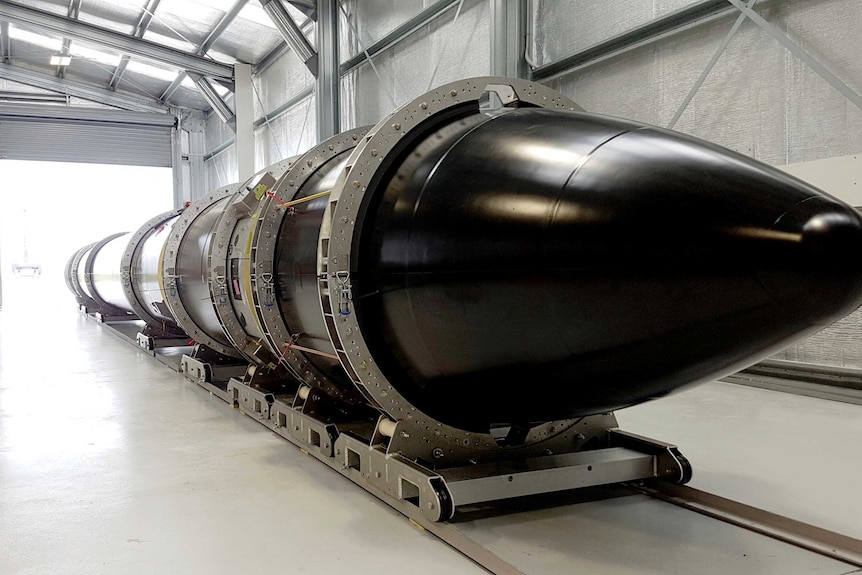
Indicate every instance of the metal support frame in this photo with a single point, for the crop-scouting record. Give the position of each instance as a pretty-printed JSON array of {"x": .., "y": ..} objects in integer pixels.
[
  {"x": 140, "y": 29},
  {"x": 291, "y": 33},
  {"x": 327, "y": 85},
  {"x": 797, "y": 51},
  {"x": 410, "y": 26},
  {"x": 508, "y": 38},
  {"x": 363, "y": 450},
  {"x": 219, "y": 106},
  {"x": 307, "y": 7},
  {"x": 74, "y": 10},
  {"x": 5, "y": 44},
  {"x": 8, "y": 97},
  {"x": 673, "y": 23},
  {"x": 205, "y": 46},
  {"x": 80, "y": 90},
  {"x": 74, "y": 29}
]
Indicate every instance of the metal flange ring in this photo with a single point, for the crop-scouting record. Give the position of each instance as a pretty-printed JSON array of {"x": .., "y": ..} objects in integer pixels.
[
  {"x": 88, "y": 276},
  {"x": 246, "y": 343},
  {"x": 408, "y": 123},
  {"x": 128, "y": 261},
  {"x": 170, "y": 281},
  {"x": 82, "y": 296},
  {"x": 276, "y": 330}
]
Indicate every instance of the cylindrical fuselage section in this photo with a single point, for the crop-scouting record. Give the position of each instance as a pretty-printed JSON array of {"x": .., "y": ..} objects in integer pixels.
[
  {"x": 81, "y": 271},
  {"x": 296, "y": 269},
  {"x": 75, "y": 276},
  {"x": 193, "y": 271},
  {"x": 106, "y": 274},
  {"x": 146, "y": 271}
]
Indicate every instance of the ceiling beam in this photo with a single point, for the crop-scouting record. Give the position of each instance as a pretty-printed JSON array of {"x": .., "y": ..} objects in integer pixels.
[
  {"x": 291, "y": 33},
  {"x": 80, "y": 90},
  {"x": 124, "y": 43},
  {"x": 280, "y": 51},
  {"x": 7, "y": 97},
  {"x": 222, "y": 25},
  {"x": 74, "y": 10},
  {"x": 307, "y": 7},
  {"x": 140, "y": 30},
  {"x": 5, "y": 44},
  {"x": 218, "y": 105},
  {"x": 214, "y": 35}
]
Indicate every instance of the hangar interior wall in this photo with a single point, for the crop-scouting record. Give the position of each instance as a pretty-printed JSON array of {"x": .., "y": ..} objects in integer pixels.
[{"x": 759, "y": 99}]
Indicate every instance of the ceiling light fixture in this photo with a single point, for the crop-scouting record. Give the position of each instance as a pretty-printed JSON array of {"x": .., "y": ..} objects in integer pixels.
[{"x": 61, "y": 60}]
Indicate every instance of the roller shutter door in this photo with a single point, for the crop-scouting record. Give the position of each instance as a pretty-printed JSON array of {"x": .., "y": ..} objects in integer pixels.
[{"x": 91, "y": 135}]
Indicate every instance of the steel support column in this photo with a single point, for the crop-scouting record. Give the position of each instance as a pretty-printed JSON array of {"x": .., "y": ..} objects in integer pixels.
[
  {"x": 180, "y": 195},
  {"x": 195, "y": 125},
  {"x": 327, "y": 85},
  {"x": 508, "y": 38},
  {"x": 243, "y": 105}
]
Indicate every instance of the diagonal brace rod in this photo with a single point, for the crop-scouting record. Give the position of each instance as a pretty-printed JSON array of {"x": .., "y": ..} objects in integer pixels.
[
  {"x": 797, "y": 51},
  {"x": 712, "y": 62}
]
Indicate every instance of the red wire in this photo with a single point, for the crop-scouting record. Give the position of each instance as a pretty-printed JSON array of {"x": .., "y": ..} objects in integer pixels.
[
  {"x": 284, "y": 353},
  {"x": 274, "y": 197}
]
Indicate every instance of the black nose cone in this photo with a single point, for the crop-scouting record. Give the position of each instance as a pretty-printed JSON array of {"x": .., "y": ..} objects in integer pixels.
[{"x": 544, "y": 265}]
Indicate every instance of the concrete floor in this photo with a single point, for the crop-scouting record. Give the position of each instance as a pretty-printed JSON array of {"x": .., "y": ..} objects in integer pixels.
[{"x": 112, "y": 463}]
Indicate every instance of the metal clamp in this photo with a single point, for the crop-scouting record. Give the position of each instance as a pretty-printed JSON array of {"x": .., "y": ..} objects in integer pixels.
[
  {"x": 345, "y": 293},
  {"x": 171, "y": 281},
  {"x": 221, "y": 284},
  {"x": 267, "y": 288}
]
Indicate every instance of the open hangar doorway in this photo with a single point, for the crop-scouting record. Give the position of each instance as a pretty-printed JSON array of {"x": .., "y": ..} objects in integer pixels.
[{"x": 50, "y": 209}]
